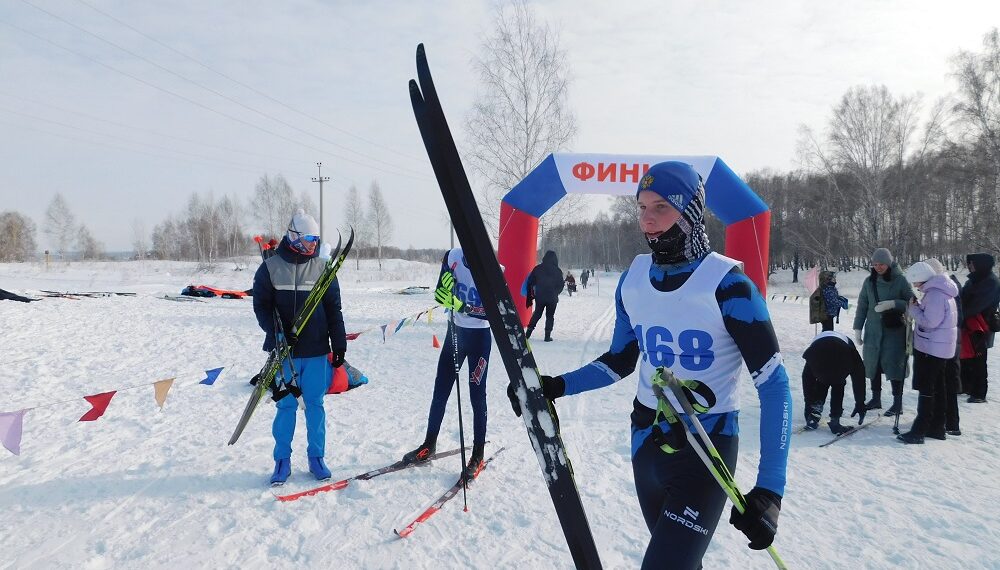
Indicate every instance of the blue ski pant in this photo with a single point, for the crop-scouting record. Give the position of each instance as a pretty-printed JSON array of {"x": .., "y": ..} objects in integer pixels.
[
  {"x": 474, "y": 349},
  {"x": 680, "y": 501},
  {"x": 314, "y": 380}
]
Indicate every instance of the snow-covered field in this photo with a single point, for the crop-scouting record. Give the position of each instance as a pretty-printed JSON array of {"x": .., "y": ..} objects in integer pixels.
[{"x": 145, "y": 488}]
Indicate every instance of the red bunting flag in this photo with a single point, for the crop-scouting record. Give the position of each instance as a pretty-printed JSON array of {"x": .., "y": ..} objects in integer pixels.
[{"x": 100, "y": 404}]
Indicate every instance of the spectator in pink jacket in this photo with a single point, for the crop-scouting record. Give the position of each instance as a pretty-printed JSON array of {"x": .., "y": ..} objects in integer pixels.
[{"x": 935, "y": 332}]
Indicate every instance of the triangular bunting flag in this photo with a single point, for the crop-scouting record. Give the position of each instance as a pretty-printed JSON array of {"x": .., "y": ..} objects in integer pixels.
[
  {"x": 162, "y": 387},
  {"x": 399, "y": 326},
  {"x": 352, "y": 336},
  {"x": 100, "y": 404},
  {"x": 11, "y": 424},
  {"x": 430, "y": 313},
  {"x": 435, "y": 342},
  {"x": 383, "y": 333},
  {"x": 210, "y": 377}
]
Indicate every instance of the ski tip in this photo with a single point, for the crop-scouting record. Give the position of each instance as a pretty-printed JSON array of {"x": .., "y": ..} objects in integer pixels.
[{"x": 421, "y": 53}]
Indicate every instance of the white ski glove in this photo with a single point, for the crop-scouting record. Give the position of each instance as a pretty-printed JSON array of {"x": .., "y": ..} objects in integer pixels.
[
  {"x": 882, "y": 306},
  {"x": 858, "y": 339}
]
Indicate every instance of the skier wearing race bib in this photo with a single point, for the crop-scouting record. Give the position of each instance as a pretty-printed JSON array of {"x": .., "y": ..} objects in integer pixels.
[
  {"x": 696, "y": 313},
  {"x": 457, "y": 293}
]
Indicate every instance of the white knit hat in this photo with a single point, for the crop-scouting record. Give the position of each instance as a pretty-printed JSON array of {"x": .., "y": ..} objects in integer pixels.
[
  {"x": 302, "y": 224},
  {"x": 919, "y": 272},
  {"x": 936, "y": 265}
]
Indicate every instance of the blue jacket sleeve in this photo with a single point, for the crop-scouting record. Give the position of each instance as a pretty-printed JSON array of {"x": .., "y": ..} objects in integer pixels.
[
  {"x": 613, "y": 365},
  {"x": 748, "y": 321}
]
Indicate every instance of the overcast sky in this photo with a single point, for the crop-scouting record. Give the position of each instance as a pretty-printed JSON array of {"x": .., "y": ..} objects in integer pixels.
[{"x": 130, "y": 132}]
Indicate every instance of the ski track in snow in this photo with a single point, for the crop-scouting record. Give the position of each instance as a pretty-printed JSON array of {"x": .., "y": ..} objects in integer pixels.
[{"x": 144, "y": 488}]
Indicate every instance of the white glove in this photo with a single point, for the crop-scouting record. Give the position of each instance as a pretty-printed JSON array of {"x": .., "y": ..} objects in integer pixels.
[
  {"x": 884, "y": 306},
  {"x": 858, "y": 339}
]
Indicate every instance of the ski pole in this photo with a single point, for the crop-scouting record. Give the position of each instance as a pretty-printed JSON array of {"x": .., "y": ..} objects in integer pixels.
[
  {"x": 458, "y": 392},
  {"x": 716, "y": 466}
]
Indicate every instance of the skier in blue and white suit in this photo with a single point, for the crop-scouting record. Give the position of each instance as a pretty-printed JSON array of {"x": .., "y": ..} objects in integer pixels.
[
  {"x": 695, "y": 312},
  {"x": 457, "y": 292},
  {"x": 284, "y": 281}
]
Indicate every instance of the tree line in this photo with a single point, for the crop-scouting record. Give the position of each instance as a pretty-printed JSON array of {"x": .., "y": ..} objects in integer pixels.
[{"x": 876, "y": 175}]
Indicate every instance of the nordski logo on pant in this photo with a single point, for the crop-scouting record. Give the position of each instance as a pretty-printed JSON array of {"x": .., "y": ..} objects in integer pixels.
[
  {"x": 691, "y": 513},
  {"x": 683, "y": 521}
]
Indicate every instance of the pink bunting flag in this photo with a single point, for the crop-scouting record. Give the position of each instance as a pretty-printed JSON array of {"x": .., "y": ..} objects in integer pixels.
[
  {"x": 160, "y": 390},
  {"x": 100, "y": 405},
  {"x": 11, "y": 424}
]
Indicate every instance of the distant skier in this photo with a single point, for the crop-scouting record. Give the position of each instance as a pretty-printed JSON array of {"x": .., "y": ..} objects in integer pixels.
[
  {"x": 695, "y": 312},
  {"x": 457, "y": 293},
  {"x": 284, "y": 281},
  {"x": 542, "y": 288},
  {"x": 830, "y": 359},
  {"x": 584, "y": 277},
  {"x": 570, "y": 283}
]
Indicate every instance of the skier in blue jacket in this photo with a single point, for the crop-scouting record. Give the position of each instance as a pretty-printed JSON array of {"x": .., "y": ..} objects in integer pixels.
[
  {"x": 284, "y": 281},
  {"x": 695, "y": 312}
]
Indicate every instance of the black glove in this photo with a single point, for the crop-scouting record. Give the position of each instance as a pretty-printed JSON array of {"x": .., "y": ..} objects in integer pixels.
[
  {"x": 338, "y": 357},
  {"x": 759, "y": 521},
  {"x": 552, "y": 387},
  {"x": 860, "y": 411},
  {"x": 528, "y": 300},
  {"x": 290, "y": 338}
]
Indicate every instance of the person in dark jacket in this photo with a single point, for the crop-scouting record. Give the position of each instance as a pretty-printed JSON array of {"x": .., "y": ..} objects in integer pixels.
[
  {"x": 544, "y": 284},
  {"x": 980, "y": 297},
  {"x": 284, "y": 281},
  {"x": 830, "y": 359},
  {"x": 881, "y": 314},
  {"x": 584, "y": 277},
  {"x": 826, "y": 302}
]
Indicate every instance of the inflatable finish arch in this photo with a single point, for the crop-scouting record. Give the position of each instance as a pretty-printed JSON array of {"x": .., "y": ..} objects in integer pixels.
[{"x": 747, "y": 218}]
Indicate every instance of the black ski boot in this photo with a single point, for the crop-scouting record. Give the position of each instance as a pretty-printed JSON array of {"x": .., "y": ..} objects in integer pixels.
[
  {"x": 421, "y": 454},
  {"x": 836, "y": 428},
  {"x": 910, "y": 437},
  {"x": 475, "y": 464},
  {"x": 548, "y": 336},
  {"x": 875, "y": 403},
  {"x": 813, "y": 412}
]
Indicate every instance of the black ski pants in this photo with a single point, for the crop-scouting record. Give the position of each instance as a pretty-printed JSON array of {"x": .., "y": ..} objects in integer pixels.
[
  {"x": 680, "y": 501},
  {"x": 814, "y": 391},
  {"x": 974, "y": 376},
  {"x": 550, "y": 312},
  {"x": 928, "y": 379}
]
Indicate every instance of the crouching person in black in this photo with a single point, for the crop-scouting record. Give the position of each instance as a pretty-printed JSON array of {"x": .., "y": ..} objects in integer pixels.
[{"x": 830, "y": 359}]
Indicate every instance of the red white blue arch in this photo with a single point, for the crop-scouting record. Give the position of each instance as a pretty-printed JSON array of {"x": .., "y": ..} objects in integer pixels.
[{"x": 746, "y": 217}]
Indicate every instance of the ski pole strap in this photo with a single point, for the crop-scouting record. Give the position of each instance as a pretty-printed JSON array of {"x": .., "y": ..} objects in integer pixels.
[{"x": 673, "y": 440}]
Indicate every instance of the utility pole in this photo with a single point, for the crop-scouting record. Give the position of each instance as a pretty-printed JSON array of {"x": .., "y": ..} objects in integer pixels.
[{"x": 321, "y": 179}]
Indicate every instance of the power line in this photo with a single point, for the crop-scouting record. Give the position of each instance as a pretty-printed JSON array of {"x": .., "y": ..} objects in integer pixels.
[
  {"x": 210, "y": 90},
  {"x": 251, "y": 88},
  {"x": 153, "y": 132},
  {"x": 201, "y": 105}
]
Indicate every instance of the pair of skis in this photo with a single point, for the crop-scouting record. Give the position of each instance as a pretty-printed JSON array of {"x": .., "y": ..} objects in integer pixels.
[
  {"x": 282, "y": 351},
  {"x": 539, "y": 414},
  {"x": 701, "y": 443},
  {"x": 425, "y": 514}
]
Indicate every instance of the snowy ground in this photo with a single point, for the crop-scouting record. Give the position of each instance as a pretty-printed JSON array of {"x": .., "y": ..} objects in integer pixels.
[{"x": 143, "y": 488}]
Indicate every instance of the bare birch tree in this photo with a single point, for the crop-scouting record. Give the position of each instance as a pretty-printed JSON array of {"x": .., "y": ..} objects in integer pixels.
[
  {"x": 60, "y": 225},
  {"x": 354, "y": 217},
  {"x": 274, "y": 203},
  {"x": 379, "y": 220},
  {"x": 521, "y": 112},
  {"x": 17, "y": 234},
  {"x": 140, "y": 243},
  {"x": 978, "y": 110},
  {"x": 87, "y": 244}
]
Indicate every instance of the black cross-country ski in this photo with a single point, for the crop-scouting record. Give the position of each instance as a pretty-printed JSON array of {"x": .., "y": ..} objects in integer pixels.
[
  {"x": 436, "y": 505},
  {"x": 538, "y": 413},
  {"x": 852, "y": 431},
  {"x": 343, "y": 483}
]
